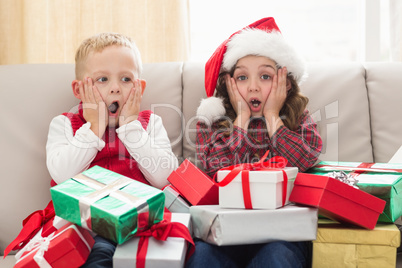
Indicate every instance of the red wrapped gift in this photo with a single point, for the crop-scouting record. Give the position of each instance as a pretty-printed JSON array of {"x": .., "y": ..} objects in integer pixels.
[
  {"x": 67, "y": 247},
  {"x": 337, "y": 200},
  {"x": 194, "y": 185}
]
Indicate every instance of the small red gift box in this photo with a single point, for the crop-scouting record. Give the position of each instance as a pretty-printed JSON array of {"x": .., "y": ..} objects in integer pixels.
[
  {"x": 194, "y": 185},
  {"x": 337, "y": 200},
  {"x": 67, "y": 247}
]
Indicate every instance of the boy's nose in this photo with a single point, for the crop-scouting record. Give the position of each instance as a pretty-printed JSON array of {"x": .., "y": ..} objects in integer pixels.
[{"x": 114, "y": 89}]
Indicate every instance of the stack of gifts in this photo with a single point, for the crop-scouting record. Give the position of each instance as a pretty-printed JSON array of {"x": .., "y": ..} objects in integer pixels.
[
  {"x": 354, "y": 195},
  {"x": 254, "y": 207},
  {"x": 101, "y": 202},
  {"x": 383, "y": 180}
]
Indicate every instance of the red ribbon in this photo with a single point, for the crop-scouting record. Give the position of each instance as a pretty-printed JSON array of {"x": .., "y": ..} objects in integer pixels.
[
  {"x": 160, "y": 231},
  {"x": 273, "y": 164},
  {"x": 31, "y": 225}
]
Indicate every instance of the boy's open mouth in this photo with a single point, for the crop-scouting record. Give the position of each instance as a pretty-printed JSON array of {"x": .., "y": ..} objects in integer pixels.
[
  {"x": 255, "y": 102},
  {"x": 113, "y": 107}
]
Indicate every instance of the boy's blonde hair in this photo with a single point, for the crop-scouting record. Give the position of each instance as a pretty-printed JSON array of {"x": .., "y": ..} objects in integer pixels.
[{"x": 99, "y": 42}]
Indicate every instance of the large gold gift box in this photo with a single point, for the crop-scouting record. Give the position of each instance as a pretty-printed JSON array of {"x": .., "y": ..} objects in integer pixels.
[{"x": 339, "y": 245}]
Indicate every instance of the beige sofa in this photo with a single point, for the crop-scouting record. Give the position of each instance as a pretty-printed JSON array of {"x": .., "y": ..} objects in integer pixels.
[{"x": 357, "y": 107}]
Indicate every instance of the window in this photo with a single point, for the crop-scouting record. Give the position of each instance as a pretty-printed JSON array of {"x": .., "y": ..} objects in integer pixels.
[{"x": 319, "y": 30}]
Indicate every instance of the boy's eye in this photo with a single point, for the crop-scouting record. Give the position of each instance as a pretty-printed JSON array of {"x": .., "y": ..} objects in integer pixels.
[
  {"x": 126, "y": 79},
  {"x": 241, "y": 77},
  {"x": 102, "y": 79},
  {"x": 265, "y": 77}
]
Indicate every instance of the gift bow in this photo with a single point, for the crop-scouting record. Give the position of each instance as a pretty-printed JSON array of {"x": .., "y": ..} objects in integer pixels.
[
  {"x": 276, "y": 163},
  {"x": 42, "y": 244},
  {"x": 160, "y": 231},
  {"x": 31, "y": 225}
]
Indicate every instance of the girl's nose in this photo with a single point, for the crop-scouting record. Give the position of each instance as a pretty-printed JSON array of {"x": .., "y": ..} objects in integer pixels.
[{"x": 253, "y": 86}]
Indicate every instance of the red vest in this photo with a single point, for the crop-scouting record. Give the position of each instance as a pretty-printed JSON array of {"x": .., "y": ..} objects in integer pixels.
[{"x": 114, "y": 156}]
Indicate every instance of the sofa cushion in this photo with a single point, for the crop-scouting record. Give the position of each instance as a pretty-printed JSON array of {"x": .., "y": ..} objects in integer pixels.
[
  {"x": 384, "y": 85},
  {"x": 193, "y": 92},
  {"x": 339, "y": 104},
  {"x": 163, "y": 96}
]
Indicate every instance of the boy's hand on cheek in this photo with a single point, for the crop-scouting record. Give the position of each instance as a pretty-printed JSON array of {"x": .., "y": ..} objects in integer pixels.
[
  {"x": 131, "y": 108},
  {"x": 94, "y": 108}
]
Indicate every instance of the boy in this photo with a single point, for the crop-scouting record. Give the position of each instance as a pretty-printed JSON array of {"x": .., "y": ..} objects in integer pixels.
[{"x": 109, "y": 130}]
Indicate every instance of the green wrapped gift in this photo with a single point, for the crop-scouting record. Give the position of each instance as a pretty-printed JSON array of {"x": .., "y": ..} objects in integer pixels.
[
  {"x": 109, "y": 204},
  {"x": 383, "y": 180}
]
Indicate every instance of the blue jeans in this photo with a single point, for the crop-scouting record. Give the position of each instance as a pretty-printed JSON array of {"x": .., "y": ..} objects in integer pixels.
[
  {"x": 274, "y": 254},
  {"x": 101, "y": 255}
]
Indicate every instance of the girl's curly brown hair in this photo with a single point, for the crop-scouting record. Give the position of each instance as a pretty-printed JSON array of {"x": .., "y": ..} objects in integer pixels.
[{"x": 291, "y": 112}]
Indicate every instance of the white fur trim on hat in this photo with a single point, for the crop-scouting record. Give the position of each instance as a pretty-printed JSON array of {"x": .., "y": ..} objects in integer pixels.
[
  {"x": 210, "y": 110},
  {"x": 268, "y": 44}
]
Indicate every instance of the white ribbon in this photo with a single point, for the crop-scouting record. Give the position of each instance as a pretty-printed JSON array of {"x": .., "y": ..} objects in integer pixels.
[{"x": 102, "y": 190}]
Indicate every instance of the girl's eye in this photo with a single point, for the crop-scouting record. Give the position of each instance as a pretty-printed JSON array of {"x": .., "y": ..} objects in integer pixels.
[
  {"x": 102, "y": 79},
  {"x": 265, "y": 77},
  {"x": 126, "y": 79},
  {"x": 241, "y": 77}
]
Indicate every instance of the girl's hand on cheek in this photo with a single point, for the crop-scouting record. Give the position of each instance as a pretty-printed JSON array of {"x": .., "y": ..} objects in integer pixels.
[
  {"x": 277, "y": 96},
  {"x": 131, "y": 108},
  {"x": 94, "y": 108},
  {"x": 239, "y": 104}
]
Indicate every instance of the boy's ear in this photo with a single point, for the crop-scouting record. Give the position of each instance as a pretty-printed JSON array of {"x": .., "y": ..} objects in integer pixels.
[
  {"x": 143, "y": 85},
  {"x": 76, "y": 89},
  {"x": 288, "y": 84}
]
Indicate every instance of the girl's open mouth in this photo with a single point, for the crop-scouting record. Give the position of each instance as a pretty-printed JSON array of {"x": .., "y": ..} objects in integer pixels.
[
  {"x": 113, "y": 107},
  {"x": 255, "y": 103}
]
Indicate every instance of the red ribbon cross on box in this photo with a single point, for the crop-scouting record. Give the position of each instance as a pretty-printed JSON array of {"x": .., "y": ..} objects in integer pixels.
[
  {"x": 161, "y": 231},
  {"x": 276, "y": 163}
]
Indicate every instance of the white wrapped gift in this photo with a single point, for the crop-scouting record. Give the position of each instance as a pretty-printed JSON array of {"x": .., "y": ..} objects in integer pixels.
[
  {"x": 223, "y": 226},
  {"x": 266, "y": 188},
  {"x": 174, "y": 202},
  {"x": 169, "y": 253}
]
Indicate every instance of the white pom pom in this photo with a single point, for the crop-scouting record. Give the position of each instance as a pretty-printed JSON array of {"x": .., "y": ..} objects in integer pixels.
[{"x": 210, "y": 110}]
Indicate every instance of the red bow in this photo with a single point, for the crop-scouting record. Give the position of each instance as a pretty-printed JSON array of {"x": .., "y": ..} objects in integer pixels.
[
  {"x": 160, "y": 231},
  {"x": 31, "y": 225},
  {"x": 275, "y": 163}
]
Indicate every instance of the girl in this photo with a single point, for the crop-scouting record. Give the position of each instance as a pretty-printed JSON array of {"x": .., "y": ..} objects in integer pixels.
[{"x": 257, "y": 107}]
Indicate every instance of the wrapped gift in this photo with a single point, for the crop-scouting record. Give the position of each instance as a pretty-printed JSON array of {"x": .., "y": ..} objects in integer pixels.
[
  {"x": 168, "y": 253},
  {"x": 67, "y": 247},
  {"x": 224, "y": 226},
  {"x": 267, "y": 189},
  {"x": 383, "y": 180},
  {"x": 194, "y": 185},
  {"x": 174, "y": 202},
  {"x": 111, "y": 205},
  {"x": 31, "y": 226},
  {"x": 338, "y": 245},
  {"x": 337, "y": 200},
  {"x": 48, "y": 228}
]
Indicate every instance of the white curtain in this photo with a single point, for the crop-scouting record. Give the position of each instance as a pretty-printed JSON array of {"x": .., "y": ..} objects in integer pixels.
[
  {"x": 395, "y": 21},
  {"x": 49, "y": 31}
]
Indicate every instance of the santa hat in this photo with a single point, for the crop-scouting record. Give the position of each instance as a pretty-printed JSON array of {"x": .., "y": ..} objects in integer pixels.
[{"x": 261, "y": 38}]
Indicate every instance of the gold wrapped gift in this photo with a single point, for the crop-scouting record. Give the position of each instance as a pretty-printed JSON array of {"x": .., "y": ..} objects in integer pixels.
[{"x": 338, "y": 245}]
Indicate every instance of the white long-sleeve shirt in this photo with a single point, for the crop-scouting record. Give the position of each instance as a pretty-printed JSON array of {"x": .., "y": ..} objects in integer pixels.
[{"x": 68, "y": 155}]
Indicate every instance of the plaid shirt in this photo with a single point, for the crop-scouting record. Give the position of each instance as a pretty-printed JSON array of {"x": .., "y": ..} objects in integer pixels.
[{"x": 217, "y": 149}]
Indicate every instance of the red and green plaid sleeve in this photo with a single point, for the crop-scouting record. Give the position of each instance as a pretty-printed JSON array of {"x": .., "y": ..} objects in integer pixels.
[
  {"x": 302, "y": 147},
  {"x": 217, "y": 149}
]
